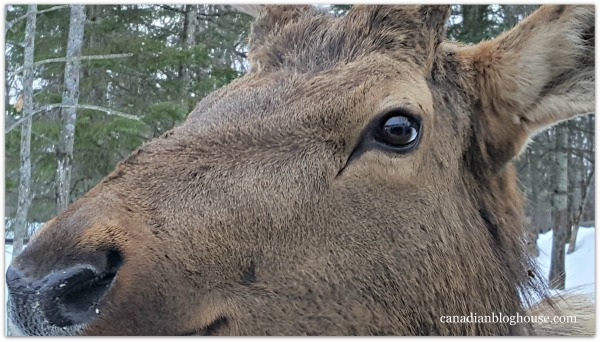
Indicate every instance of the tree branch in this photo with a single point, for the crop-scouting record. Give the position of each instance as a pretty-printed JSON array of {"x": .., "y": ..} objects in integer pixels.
[
  {"x": 79, "y": 106},
  {"x": 239, "y": 53},
  {"x": 64, "y": 59},
  {"x": 218, "y": 14},
  {"x": 171, "y": 8},
  {"x": 12, "y": 23}
]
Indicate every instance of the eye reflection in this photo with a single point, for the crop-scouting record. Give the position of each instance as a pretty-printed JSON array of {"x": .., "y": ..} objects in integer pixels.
[{"x": 399, "y": 131}]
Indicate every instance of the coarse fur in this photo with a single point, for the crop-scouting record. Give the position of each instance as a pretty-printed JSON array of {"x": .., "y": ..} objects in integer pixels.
[
  {"x": 571, "y": 314},
  {"x": 273, "y": 210}
]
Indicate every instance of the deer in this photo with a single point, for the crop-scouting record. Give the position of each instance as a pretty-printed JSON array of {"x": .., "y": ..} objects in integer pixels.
[{"x": 358, "y": 180}]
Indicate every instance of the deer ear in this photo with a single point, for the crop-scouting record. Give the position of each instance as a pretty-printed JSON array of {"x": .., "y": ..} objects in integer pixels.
[
  {"x": 408, "y": 31},
  {"x": 434, "y": 19},
  {"x": 270, "y": 19},
  {"x": 537, "y": 74}
]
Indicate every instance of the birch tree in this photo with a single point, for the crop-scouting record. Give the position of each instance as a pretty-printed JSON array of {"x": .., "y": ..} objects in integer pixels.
[
  {"x": 24, "y": 201},
  {"x": 68, "y": 115}
]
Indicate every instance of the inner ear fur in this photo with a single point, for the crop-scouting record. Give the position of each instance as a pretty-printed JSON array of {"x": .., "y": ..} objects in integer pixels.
[{"x": 533, "y": 76}]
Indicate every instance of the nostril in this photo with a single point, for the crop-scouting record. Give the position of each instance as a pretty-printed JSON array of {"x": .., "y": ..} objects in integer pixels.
[{"x": 72, "y": 295}]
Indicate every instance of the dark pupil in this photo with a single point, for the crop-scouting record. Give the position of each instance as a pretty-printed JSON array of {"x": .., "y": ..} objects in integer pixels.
[{"x": 399, "y": 131}]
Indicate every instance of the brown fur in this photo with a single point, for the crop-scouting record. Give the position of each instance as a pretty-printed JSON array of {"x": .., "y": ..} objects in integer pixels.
[{"x": 269, "y": 211}]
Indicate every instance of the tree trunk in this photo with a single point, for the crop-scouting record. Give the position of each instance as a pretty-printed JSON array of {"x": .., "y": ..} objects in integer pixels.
[
  {"x": 24, "y": 201},
  {"x": 475, "y": 20},
  {"x": 573, "y": 239},
  {"x": 586, "y": 190},
  {"x": 532, "y": 233},
  {"x": 6, "y": 87},
  {"x": 68, "y": 116},
  {"x": 574, "y": 193},
  {"x": 190, "y": 27},
  {"x": 561, "y": 218}
]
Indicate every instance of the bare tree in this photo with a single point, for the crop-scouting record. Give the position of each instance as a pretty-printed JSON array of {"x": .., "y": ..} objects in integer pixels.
[
  {"x": 561, "y": 216},
  {"x": 190, "y": 26},
  {"x": 70, "y": 99},
  {"x": 24, "y": 201}
]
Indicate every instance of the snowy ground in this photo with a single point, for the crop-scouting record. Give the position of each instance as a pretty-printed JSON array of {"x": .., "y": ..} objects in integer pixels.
[{"x": 580, "y": 265}]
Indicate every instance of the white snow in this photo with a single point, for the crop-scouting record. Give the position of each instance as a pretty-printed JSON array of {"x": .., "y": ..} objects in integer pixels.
[{"x": 579, "y": 265}]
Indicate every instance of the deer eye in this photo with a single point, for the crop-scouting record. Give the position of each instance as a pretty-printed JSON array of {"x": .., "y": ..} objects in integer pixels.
[{"x": 399, "y": 131}]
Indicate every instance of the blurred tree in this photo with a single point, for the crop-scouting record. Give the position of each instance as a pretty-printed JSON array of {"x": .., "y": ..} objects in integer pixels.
[
  {"x": 68, "y": 113},
  {"x": 560, "y": 215},
  {"x": 24, "y": 197},
  {"x": 170, "y": 57}
]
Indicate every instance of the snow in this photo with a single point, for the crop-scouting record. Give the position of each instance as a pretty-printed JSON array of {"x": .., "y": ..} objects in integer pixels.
[{"x": 579, "y": 265}]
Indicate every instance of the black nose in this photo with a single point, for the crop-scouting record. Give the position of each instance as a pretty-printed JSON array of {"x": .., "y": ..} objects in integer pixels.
[{"x": 66, "y": 296}]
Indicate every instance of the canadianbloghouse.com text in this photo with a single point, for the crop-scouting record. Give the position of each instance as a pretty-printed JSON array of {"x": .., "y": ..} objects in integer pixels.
[{"x": 510, "y": 319}]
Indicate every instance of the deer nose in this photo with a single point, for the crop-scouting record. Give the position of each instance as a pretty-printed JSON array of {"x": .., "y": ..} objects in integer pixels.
[{"x": 67, "y": 296}]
